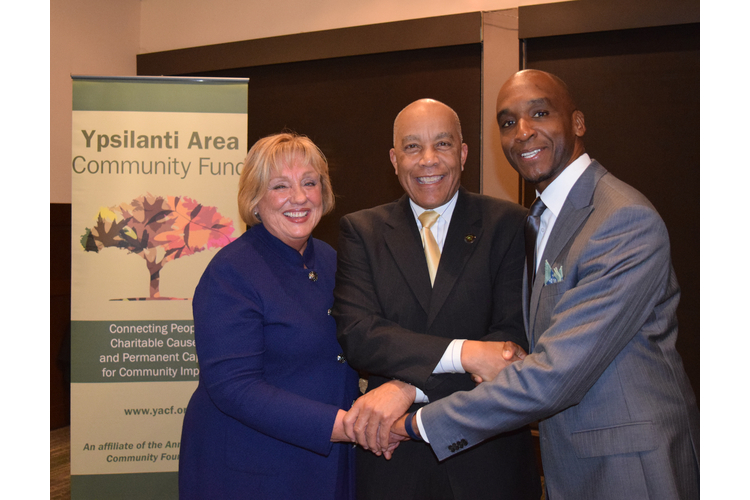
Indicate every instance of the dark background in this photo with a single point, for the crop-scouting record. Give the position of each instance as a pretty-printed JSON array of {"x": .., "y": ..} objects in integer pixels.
[
  {"x": 634, "y": 70},
  {"x": 347, "y": 106},
  {"x": 639, "y": 91}
]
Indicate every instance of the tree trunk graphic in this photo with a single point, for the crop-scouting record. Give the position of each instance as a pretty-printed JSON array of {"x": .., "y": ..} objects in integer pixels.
[{"x": 153, "y": 286}]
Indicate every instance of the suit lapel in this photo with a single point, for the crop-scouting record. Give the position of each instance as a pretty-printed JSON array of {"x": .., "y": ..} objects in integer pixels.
[
  {"x": 466, "y": 220},
  {"x": 576, "y": 209},
  {"x": 403, "y": 240}
]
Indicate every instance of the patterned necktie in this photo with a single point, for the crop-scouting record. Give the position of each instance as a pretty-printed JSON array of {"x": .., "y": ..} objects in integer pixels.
[
  {"x": 531, "y": 231},
  {"x": 431, "y": 248}
]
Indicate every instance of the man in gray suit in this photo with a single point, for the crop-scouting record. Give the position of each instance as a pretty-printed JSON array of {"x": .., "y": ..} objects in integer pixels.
[{"x": 618, "y": 417}]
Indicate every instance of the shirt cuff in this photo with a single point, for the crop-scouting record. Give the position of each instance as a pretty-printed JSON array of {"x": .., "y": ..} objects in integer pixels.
[
  {"x": 421, "y": 428},
  {"x": 421, "y": 397},
  {"x": 451, "y": 360}
]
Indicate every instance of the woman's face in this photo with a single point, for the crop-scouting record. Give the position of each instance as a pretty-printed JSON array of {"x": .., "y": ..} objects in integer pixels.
[{"x": 293, "y": 203}]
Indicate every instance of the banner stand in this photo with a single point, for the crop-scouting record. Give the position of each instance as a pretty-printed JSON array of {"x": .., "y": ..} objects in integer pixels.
[{"x": 155, "y": 165}]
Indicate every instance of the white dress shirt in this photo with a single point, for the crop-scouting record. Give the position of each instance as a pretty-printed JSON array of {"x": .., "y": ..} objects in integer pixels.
[
  {"x": 554, "y": 197},
  {"x": 451, "y": 360}
]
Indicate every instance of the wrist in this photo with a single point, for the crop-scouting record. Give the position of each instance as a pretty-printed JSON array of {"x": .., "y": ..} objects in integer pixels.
[
  {"x": 411, "y": 430},
  {"x": 469, "y": 350},
  {"x": 338, "y": 434},
  {"x": 407, "y": 390}
]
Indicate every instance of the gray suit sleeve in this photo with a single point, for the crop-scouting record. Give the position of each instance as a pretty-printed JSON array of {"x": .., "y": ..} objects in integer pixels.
[{"x": 615, "y": 275}]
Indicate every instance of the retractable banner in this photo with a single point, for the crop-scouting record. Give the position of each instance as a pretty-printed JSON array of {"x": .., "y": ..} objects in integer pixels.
[{"x": 155, "y": 165}]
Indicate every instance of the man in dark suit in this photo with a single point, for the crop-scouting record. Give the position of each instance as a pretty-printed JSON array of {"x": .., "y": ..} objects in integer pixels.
[
  {"x": 618, "y": 416},
  {"x": 419, "y": 325}
]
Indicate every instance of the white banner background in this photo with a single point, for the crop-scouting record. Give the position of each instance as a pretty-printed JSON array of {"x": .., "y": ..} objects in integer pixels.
[{"x": 116, "y": 412}]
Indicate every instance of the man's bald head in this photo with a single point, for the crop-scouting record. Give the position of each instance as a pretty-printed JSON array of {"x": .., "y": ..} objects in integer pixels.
[
  {"x": 551, "y": 84},
  {"x": 425, "y": 105}
]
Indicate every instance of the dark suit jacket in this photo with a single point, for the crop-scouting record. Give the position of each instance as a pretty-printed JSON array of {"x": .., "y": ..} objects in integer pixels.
[
  {"x": 620, "y": 417},
  {"x": 393, "y": 324}
]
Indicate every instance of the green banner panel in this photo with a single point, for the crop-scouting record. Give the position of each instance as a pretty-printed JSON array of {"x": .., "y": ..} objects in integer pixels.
[
  {"x": 133, "y": 351},
  {"x": 160, "y": 95},
  {"x": 149, "y": 486}
]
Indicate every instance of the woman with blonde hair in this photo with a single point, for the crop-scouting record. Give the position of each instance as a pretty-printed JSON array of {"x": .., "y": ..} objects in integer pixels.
[{"x": 266, "y": 419}]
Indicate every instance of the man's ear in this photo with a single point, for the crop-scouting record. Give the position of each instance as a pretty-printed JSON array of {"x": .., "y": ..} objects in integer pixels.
[
  {"x": 579, "y": 123},
  {"x": 392, "y": 154}
]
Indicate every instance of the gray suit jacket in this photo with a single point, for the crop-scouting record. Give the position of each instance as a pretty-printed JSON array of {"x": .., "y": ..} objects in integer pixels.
[{"x": 618, "y": 415}]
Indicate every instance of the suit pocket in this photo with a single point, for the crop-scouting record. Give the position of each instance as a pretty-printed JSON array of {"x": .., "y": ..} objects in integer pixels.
[
  {"x": 554, "y": 289},
  {"x": 628, "y": 438}
]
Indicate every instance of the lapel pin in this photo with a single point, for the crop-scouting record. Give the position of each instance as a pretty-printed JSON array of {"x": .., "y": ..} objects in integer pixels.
[
  {"x": 313, "y": 276},
  {"x": 469, "y": 238}
]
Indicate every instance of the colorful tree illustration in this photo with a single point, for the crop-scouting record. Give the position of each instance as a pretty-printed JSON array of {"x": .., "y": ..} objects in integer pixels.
[{"x": 160, "y": 230}]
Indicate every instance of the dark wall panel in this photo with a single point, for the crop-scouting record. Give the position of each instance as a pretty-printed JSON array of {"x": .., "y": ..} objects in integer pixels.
[
  {"x": 59, "y": 311},
  {"x": 639, "y": 90},
  {"x": 347, "y": 107}
]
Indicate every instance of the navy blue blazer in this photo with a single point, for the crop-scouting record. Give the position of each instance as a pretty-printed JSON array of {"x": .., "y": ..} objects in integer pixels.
[{"x": 271, "y": 382}]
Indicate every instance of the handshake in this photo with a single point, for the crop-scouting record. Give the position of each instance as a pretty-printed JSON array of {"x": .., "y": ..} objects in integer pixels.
[{"x": 376, "y": 420}]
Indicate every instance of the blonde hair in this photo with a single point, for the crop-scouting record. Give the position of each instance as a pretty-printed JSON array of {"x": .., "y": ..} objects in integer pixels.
[{"x": 266, "y": 157}]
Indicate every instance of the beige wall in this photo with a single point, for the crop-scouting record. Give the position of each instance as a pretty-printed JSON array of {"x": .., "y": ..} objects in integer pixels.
[
  {"x": 499, "y": 179},
  {"x": 94, "y": 37},
  {"x": 87, "y": 37},
  {"x": 172, "y": 24}
]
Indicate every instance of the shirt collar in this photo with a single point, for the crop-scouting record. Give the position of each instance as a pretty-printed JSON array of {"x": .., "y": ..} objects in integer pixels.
[
  {"x": 445, "y": 211},
  {"x": 557, "y": 192}
]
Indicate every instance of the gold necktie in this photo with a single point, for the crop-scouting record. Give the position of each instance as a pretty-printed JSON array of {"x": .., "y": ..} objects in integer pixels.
[{"x": 431, "y": 248}]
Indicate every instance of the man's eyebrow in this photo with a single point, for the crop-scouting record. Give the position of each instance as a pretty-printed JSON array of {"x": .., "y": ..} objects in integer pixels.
[
  {"x": 444, "y": 135},
  {"x": 409, "y": 138},
  {"x": 532, "y": 102},
  {"x": 415, "y": 138},
  {"x": 502, "y": 112}
]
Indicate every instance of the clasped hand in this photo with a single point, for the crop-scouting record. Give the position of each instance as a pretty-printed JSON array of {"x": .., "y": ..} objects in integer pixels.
[
  {"x": 370, "y": 421},
  {"x": 484, "y": 360}
]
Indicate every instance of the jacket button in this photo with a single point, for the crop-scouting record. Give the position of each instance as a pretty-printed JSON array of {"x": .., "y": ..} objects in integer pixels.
[{"x": 340, "y": 358}]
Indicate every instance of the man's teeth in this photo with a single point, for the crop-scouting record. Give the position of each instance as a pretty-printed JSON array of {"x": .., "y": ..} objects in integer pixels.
[
  {"x": 295, "y": 214},
  {"x": 429, "y": 180},
  {"x": 530, "y": 153}
]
